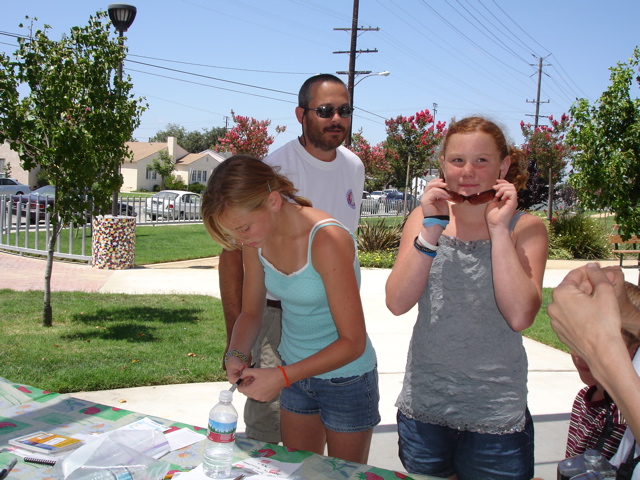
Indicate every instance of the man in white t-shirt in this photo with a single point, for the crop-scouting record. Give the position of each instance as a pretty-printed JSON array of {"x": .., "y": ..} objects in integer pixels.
[{"x": 329, "y": 175}]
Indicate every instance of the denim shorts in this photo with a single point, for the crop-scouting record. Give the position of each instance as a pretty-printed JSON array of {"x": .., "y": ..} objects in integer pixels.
[
  {"x": 442, "y": 451},
  {"x": 345, "y": 405}
]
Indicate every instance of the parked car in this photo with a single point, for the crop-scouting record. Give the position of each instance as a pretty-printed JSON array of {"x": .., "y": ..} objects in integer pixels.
[
  {"x": 173, "y": 205},
  {"x": 397, "y": 195},
  {"x": 11, "y": 186},
  {"x": 35, "y": 203},
  {"x": 365, "y": 194},
  {"x": 378, "y": 195}
]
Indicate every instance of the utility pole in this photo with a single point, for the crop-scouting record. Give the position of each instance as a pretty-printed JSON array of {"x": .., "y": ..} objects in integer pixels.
[
  {"x": 352, "y": 58},
  {"x": 537, "y": 116}
]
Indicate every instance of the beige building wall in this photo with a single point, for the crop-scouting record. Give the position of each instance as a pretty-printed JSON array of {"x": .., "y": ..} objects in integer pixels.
[{"x": 11, "y": 158}]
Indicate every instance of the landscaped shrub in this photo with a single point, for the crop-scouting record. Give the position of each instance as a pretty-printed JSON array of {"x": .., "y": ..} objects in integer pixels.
[
  {"x": 174, "y": 183},
  {"x": 197, "y": 187},
  {"x": 579, "y": 234},
  {"x": 378, "y": 236}
]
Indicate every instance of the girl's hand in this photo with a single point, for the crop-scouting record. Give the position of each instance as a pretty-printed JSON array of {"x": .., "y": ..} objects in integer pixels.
[
  {"x": 500, "y": 210},
  {"x": 262, "y": 384},
  {"x": 235, "y": 367},
  {"x": 434, "y": 199}
]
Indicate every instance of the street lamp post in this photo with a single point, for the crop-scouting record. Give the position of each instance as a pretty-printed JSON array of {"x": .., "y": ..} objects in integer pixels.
[
  {"x": 122, "y": 16},
  {"x": 366, "y": 74}
]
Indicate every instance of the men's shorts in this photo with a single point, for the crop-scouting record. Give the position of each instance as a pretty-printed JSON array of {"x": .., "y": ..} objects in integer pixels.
[{"x": 262, "y": 419}]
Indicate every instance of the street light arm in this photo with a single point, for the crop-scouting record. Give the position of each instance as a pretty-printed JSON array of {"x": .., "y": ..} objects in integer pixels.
[{"x": 386, "y": 73}]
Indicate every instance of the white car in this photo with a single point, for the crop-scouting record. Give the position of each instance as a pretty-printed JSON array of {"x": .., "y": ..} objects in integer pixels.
[
  {"x": 378, "y": 195},
  {"x": 173, "y": 205},
  {"x": 11, "y": 186}
]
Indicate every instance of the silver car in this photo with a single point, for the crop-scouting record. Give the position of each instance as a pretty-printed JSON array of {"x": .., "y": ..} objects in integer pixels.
[
  {"x": 11, "y": 186},
  {"x": 173, "y": 205}
]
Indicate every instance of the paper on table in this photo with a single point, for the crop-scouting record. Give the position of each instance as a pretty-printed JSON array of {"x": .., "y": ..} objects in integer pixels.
[
  {"x": 198, "y": 474},
  {"x": 177, "y": 437},
  {"x": 268, "y": 467}
]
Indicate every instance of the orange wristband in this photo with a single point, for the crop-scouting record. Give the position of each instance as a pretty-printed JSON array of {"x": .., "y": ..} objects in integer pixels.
[{"x": 286, "y": 379}]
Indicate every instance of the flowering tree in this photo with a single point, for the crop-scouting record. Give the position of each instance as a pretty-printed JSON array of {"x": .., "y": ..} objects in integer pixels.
[
  {"x": 548, "y": 153},
  {"x": 376, "y": 165},
  {"x": 249, "y": 136},
  {"x": 607, "y": 137},
  {"x": 411, "y": 145},
  {"x": 64, "y": 109}
]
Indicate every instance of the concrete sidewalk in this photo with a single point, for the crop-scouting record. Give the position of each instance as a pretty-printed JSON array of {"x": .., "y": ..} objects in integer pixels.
[{"x": 553, "y": 381}]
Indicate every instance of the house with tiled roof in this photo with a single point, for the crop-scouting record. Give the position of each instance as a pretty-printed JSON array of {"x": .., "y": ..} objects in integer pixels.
[{"x": 190, "y": 167}]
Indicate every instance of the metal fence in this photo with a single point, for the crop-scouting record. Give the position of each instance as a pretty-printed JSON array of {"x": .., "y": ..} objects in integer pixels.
[
  {"x": 27, "y": 229},
  {"x": 373, "y": 207}
]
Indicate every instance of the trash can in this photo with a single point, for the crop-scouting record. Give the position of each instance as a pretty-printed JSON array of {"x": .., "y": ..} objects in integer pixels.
[{"x": 113, "y": 243}]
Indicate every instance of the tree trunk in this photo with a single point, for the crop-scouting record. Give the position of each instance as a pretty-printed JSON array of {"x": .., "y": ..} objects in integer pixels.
[{"x": 47, "y": 311}]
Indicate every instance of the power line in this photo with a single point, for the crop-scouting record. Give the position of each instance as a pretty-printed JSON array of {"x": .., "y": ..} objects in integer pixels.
[
  {"x": 495, "y": 39},
  {"x": 219, "y": 66},
  {"x": 505, "y": 27},
  {"x": 212, "y": 78},
  {"x": 210, "y": 86}
]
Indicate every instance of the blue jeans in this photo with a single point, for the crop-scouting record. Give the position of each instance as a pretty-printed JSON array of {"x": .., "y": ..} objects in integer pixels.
[
  {"x": 442, "y": 451},
  {"x": 346, "y": 405}
]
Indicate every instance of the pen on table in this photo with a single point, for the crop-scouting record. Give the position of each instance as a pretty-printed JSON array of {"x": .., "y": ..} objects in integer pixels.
[
  {"x": 5, "y": 471},
  {"x": 235, "y": 385}
]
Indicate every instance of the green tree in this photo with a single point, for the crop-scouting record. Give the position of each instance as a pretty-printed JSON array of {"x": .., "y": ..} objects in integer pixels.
[
  {"x": 411, "y": 145},
  {"x": 192, "y": 141},
  {"x": 607, "y": 138},
  {"x": 164, "y": 166},
  {"x": 64, "y": 109}
]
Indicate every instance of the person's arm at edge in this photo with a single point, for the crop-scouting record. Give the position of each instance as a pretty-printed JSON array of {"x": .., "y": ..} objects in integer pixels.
[
  {"x": 230, "y": 275},
  {"x": 586, "y": 317},
  {"x": 628, "y": 311}
]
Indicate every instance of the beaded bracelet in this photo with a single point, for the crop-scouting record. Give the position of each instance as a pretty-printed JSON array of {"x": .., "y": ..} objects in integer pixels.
[
  {"x": 426, "y": 244},
  {"x": 286, "y": 379},
  {"x": 235, "y": 353},
  {"x": 422, "y": 249},
  {"x": 442, "y": 220}
]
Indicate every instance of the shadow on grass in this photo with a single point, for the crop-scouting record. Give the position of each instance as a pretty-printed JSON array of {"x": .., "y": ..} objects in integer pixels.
[
  {"x": 130, "y": 332},
  {"x": 141, "y": 314}
]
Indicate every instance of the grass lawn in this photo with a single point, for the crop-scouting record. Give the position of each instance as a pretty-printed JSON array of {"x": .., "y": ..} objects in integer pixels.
[
  {"x": 106, "y": 341},
  {"x": 170, "y": 243},
  {"x": 154, "y": 243}
]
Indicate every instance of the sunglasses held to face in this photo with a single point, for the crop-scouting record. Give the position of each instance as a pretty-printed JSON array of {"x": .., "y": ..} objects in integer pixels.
[
  {"x": 476, "y": 199},
  {"x": 328, "y": 111}
]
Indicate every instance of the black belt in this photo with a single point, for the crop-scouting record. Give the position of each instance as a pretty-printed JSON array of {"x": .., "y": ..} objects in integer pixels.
[{"x": 274, "y": 304}]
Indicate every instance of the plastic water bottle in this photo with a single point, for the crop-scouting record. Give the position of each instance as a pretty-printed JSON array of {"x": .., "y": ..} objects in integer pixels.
[{"x": 221, "y": 437}]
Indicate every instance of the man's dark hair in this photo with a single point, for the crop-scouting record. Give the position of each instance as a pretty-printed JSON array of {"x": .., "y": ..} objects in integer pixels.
[{"x": 304, "y": 96}]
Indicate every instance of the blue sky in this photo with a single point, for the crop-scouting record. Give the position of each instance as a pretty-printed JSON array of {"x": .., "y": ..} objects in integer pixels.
[{"x": 466, "y": 56}]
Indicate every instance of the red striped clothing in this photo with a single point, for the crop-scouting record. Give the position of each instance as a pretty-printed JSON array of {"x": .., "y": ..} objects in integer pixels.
[{"x": 587, "y": 421}]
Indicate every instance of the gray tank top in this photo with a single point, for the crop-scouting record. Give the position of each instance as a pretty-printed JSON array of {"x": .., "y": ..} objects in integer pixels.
[{"x": 466, "y": 368}]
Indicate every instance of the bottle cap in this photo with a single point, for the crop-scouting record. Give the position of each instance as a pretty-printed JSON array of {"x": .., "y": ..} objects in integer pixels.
[
  {"x": 592, "y": 456},
  {"x": 226, "y": 396}
]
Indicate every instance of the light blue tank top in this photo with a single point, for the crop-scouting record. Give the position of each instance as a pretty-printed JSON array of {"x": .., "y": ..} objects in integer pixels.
[{"x": 307, "y": 324}]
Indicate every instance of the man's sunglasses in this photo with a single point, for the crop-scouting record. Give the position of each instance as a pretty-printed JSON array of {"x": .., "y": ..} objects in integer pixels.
[
  {"x": 327, "y": 111},
  {"x": 477, "y": 199}
]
